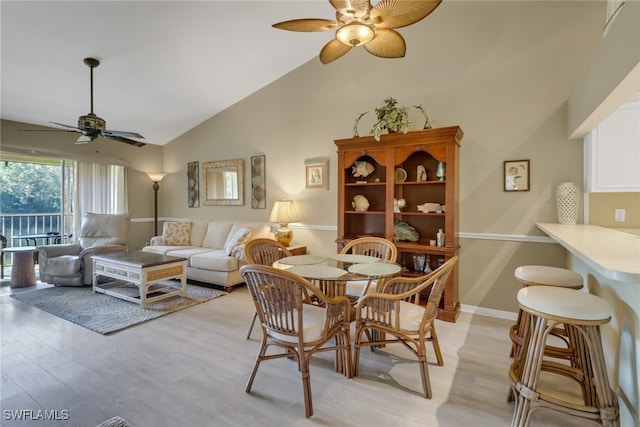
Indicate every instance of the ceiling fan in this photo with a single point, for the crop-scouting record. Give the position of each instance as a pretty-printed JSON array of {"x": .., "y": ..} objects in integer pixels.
[
  {"x": 360, "y": 24},
  {"x": 92, "y": 126}
]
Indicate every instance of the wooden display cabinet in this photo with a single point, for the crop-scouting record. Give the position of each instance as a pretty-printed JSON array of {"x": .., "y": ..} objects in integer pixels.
[{"x": 404, "y": 151}]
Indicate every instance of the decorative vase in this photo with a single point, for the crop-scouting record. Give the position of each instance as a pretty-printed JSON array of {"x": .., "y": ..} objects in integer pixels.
[
  {"x": 440, "y": 173},
  {"x": 567, "y": 202},
  {"x": 418, "y": 261},
  {"x": 440, "y": 238}
]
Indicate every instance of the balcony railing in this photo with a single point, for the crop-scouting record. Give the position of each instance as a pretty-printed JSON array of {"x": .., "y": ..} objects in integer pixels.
[{"x": 35, "y": 223}]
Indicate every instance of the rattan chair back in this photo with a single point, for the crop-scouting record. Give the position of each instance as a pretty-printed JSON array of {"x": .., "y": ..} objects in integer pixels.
[
  {"x": 280, "y": 299},
  {"x": 372, "y": 246},
  {"x": 387, "y": 316},
  {"x": 264, "y": 251}
]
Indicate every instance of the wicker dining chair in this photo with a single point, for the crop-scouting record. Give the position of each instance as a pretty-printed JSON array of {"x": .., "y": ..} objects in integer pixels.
[
  {"x": 378, "y": 247},
  {"x": 299, "y": 329},
  {"x": 263, "y": 251},
  {"x": 394, "y": 315}
]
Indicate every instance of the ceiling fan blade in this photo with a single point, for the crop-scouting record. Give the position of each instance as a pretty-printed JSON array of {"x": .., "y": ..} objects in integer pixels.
[
  {"x": 125, "y": 140},
  {"x": 124, "y": 134},
  {"x": 400, "y": 13},
  {"x": 387, "y": 44},
  {"x": 306, "y": 25},
  {"x": 332, "y": 51},
  {"x": 68, "y": 126},
  {"x": 355, "y": 8}
]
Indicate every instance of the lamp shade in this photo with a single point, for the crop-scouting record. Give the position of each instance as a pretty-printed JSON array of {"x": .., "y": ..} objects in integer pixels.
[
  {"x": 156, "y": 176},
  {"x": 284, "y": 212}
]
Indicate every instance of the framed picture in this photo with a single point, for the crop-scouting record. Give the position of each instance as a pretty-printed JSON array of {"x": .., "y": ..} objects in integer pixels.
[
  {"x": 258, "y": 178},
  {"x": 193, "y": 192},
  {"x": 516, "y": 175},
  {"x": 317, "y": 173}
]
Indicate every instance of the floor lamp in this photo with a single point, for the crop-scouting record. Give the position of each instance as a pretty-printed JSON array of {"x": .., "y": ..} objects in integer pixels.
[{"x": 156, "y": 178}]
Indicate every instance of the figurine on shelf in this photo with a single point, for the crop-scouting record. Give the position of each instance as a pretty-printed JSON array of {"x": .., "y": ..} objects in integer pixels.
[
  {"x": 421, "y": 174},
  {"x": 429, "y": 207},
  {"x": 399, "y": 204},
  {"x": 440, "y": 171},
  {"x": 361, "y": 168},
  {"x": 360, "y": 203},
  {"x": 404, "y": 231},
  {"x": 427, "y": 265}
]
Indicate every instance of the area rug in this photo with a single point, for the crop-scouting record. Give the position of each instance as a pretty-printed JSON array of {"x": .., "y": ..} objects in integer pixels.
[{"x": 106, "y": 314}]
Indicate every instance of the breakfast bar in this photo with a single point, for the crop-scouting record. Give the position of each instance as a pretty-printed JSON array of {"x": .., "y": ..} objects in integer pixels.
[{"x": 609, "y": 262}]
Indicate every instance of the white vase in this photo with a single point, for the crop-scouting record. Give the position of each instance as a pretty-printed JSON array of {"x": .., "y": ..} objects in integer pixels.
[{"x": 567, "y": 202}]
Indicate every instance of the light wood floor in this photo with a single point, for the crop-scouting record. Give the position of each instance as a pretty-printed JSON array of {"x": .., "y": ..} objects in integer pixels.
[{"x": 190, "y": 368}]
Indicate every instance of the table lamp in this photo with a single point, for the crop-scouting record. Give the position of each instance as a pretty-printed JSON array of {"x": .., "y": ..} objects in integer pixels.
[{"x": 284, "y": 212}]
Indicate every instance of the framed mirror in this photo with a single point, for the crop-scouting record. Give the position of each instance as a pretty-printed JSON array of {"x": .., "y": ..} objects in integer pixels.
[{"x": 224, "y": 182}]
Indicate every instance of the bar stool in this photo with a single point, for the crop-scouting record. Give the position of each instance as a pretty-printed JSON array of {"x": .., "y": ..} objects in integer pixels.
[
  {"x": 538, "y": 275},
  {"x": 581, "y": 313}
]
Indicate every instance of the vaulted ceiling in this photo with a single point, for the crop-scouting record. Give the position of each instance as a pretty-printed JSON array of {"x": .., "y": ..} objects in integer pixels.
[{"x": 166, "y": 66}]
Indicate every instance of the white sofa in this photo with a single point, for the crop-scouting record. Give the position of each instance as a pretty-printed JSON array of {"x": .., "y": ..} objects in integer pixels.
[{"x": 214, "y": 248}]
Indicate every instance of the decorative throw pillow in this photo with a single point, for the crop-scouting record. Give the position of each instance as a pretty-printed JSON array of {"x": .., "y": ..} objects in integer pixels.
[
  {"x": 176, "y": 233},
  {"x": 238, "y": 237}
]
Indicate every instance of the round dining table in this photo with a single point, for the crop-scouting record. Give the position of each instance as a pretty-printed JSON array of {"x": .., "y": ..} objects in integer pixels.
[{"x": 331, "y": 274}]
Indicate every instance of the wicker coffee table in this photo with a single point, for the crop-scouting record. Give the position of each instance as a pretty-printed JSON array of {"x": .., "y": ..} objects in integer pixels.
[{"x": 151, "y": 273}]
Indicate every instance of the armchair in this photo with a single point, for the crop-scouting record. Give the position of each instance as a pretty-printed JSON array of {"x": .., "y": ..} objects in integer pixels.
[
  {"x": 71, "y": 264},
  {"x": 394, "y": 315},
  {"x": 263, "y": 251},
  {"x": 300, "y": 330}
]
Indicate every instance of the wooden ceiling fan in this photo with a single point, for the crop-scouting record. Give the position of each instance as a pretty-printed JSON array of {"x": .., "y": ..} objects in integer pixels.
[{"x": 360, "y": 24}]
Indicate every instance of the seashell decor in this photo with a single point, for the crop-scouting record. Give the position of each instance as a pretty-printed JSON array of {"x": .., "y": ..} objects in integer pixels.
[
  {"x": 362, "y": 168},
  {"x": 360, "y": 203},
  {"x": 429, "y": 207}
]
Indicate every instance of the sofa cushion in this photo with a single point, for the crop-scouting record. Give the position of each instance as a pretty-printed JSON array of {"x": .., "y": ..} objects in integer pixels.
[
  {"x": 236, "y": 238},
  {"x": 216, "y": 260},
  {"x": 198, "y": 231},
  {"x": 176, "y": 233},
  {"x": 186, "y": 252},
  {"x": 217, "y": 233},
  {"x": 165, "y": 249}
]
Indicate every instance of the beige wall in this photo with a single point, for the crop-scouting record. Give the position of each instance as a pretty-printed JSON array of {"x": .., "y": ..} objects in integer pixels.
[
  {"x": 602, "y": 208},
  {"x": 503, "y": 71}
]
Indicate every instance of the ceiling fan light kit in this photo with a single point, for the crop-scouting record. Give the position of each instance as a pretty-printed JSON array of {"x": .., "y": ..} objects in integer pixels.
[
  {"x": 355, "y": 34},
  {"x": 360, "y": 24}
]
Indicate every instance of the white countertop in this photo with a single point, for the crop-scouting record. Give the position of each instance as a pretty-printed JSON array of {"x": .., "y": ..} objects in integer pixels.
[{"x": 612, "y": 253}]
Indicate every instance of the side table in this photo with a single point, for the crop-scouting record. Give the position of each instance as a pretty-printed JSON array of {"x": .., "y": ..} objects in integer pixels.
[
  {"x": 297, "y": 249},
  {"x": 23, "y": 271}
]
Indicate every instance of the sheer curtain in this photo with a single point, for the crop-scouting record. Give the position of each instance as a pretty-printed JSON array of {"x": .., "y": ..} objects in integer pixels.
[{"x": 100, "y": 188}]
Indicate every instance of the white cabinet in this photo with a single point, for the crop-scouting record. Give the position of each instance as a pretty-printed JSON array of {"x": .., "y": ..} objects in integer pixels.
[{"x": 612, "y": 151}]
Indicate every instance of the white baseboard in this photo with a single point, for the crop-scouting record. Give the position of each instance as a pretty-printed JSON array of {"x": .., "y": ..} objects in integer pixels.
[{"x": 500, "y": 314}]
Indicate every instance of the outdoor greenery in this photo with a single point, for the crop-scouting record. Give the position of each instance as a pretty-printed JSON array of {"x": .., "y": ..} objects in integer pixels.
[{"x": 30, "y": 188}]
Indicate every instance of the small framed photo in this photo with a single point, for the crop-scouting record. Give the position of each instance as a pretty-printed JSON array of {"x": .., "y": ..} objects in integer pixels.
[
  {"x": 516, "y": 175},
  {"x": 317, "y": 173}
]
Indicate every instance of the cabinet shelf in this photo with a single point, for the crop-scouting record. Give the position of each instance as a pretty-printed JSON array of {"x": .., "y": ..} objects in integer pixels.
[
  {"x": 415, "y": 152},
  {"x": 420, "y": 183},
  {"x": 365, "y": 212},
  {"x": 365, "y": 184},
  {"x": 442, "y": 214}
]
